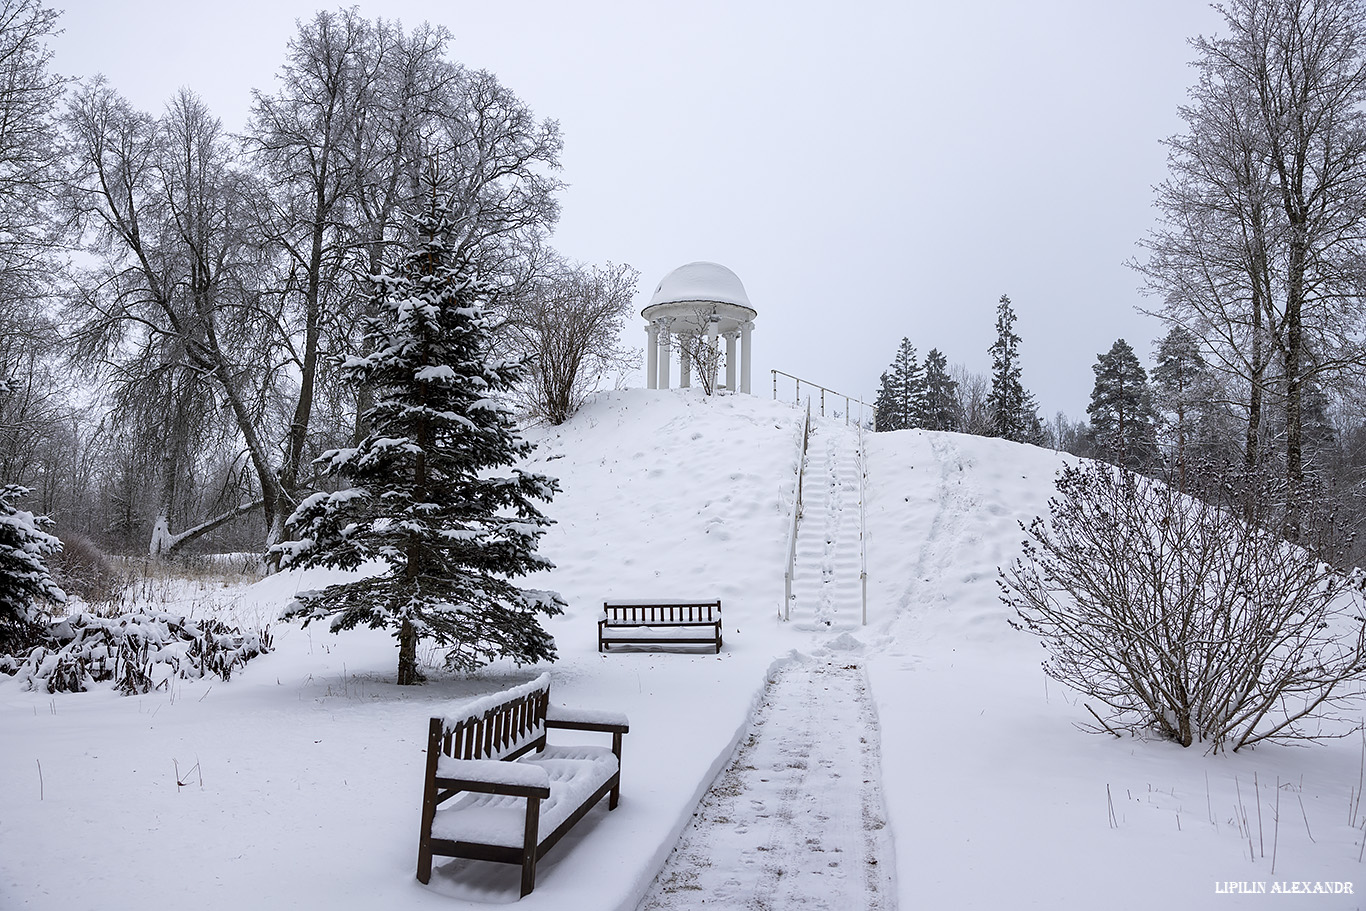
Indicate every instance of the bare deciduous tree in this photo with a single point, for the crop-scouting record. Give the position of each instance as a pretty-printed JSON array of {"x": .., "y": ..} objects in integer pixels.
[
  {"x": 33, "y": 413},
  {"x": 361, "y": 109},
  {"x": 973, "y": 390},
  {"x": 1260, "y": 251},
  {"x": 568, "y": 326},
  {"x": 698, "y": 343},
  {"x": 170, "y": 315},
  {"x": 1181, "y": 618}
]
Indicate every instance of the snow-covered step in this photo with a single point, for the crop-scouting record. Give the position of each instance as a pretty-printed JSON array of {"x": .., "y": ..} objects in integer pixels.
[{"x": 826, "y": 588}]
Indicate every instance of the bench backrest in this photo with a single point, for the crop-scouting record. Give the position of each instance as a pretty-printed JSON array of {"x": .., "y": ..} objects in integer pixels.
[
  {"x": 662, "y": 611},
  {"x": 498, "y": 726}
]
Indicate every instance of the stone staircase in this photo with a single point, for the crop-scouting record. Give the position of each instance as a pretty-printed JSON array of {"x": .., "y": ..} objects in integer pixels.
[{"x": 826, "y": 590}]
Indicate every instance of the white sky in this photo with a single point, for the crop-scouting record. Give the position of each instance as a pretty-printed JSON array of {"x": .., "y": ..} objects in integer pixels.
[{"x": 887, "y": 169}]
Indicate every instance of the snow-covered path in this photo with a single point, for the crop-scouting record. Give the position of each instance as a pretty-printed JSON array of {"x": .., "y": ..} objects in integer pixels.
[
  {"x": 825, "y": 581},
  {"x": 797, "y": 819}
]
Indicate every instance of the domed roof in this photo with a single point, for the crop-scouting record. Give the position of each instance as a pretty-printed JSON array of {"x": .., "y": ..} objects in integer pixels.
[{"x": 700, "y": 281}]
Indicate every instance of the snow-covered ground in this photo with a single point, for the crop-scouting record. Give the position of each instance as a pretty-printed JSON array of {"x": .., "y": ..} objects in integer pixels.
[{"x": 298, "y": 783}]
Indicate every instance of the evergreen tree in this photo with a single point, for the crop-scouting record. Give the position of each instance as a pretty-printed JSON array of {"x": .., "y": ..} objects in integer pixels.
[
  {"x": 884, "y": 406},
  {"x": 941, "y": 394},
  {"x": 900, "y": 402},
  {"x": 25, "y": 583},
  {"x": 424, "y": 495},
  {"x": 910, "y": 386},
  {"x": 1011, "y": 410},
  {"x": 1181, "y": 388},
  {"x": 1320, "y": 439},
  {"x": 1121, "y": 410}
]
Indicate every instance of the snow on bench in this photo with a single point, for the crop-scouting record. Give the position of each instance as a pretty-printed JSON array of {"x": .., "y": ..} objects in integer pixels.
[
  {"x": 659, "y": 623},
  {"x": 512, "y": 785}
]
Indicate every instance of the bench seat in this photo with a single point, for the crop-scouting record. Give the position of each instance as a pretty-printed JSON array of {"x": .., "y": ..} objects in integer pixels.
[{"x": 574, "y": 773}]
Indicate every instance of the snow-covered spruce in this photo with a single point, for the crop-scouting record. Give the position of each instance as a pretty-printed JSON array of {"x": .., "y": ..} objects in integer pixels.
[
  {"x": 425, "y": 496},
  {"x": 26, "y": 586},
  {"x": 138, "y": 652}
]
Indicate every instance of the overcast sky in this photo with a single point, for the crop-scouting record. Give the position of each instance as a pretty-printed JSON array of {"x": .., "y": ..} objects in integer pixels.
[{"x": 869, "y": 170}]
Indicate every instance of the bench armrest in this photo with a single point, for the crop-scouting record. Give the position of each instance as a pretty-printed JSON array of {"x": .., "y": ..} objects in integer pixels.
[
  {"x": 493, "y": 776},
  {"x": 564, "y": 718}
]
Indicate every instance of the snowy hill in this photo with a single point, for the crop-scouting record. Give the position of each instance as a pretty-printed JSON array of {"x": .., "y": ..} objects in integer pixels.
[{"x": 297, "y": 784}]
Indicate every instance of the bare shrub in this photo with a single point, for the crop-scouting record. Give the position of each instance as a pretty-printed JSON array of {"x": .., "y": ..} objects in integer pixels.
[
  {"x": 696, "y": 339},
  {"x": 569, "y": 327},
  {"x": 83, "y": 570},
  {"x": 1183, "y": 617}
]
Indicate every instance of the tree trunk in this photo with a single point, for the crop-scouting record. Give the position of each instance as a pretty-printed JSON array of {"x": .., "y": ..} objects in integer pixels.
[
  {"x": 408, "y": 673},
  {"x": 1294, "y": 346}
]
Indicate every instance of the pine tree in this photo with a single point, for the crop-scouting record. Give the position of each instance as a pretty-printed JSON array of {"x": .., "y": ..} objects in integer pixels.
[
  {"x": 884, "y": 406},
  {"x": 1121, "y": 409},
  {"x": 1013, "y": 415},
  {"x": 424, "y": 495},
  {"x": 900, "y": 402},
  {"x": 25, "y": 582},
  {"x": 1180, "y": 381},
  {"x": 941, "y": 394},
  {"x": 910, "y": 385}
]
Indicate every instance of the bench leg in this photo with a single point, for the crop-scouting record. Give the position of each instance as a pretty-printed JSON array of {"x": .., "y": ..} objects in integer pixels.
[
  {"x": 615, "y": 796},
  {"x": 424, "y": 836},
  {"x": 529, "y": 840},
  {"x": 424, "y": 863}
]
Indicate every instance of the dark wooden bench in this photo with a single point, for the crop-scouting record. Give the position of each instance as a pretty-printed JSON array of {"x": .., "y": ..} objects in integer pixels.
[
  {"x": 660, "y": 623},
  {"x": 520, "y": 794}
]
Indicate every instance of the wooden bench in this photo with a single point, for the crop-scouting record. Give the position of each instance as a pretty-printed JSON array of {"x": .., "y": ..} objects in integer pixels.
[
  {"x": 520, "y": 794},
  {"x": 660, "y": 623}
]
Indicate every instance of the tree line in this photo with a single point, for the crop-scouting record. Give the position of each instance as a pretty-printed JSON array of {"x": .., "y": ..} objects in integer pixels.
[
  {"x": 934, "y": 396},
  {"x": 1255, "y": 270},
  {"x": 177, "y": 302}
]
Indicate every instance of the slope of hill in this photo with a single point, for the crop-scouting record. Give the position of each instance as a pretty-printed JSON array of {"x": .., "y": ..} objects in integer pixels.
[{"x": 297, "y": 784}]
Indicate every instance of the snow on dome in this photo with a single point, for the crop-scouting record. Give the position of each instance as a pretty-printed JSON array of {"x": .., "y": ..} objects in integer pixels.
[{"x": 701, "y": 281}]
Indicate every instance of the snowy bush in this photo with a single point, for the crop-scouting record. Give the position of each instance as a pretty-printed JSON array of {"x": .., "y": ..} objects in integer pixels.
[
  {"x": 137, "y": 652},
  {"x": 1182, "y": 618}
]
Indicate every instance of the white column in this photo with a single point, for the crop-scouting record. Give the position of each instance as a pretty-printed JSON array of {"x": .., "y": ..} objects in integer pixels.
[
  {"x": 745, "y": 353},
  {"x": 685, "y": 360},
  {"x": 730, "y": 359},
  {"x": 663, "y": 355},
  {"x": 652, "y": 356}
]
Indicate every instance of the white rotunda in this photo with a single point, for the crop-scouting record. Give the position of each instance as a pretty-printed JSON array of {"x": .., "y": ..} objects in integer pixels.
[{"x": 694, "y": 307}]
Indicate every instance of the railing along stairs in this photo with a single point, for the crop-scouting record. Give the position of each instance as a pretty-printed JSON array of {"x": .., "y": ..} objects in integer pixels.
[
  {"x": 861, "y": 462},
  {"x": 786, "y": 611}
]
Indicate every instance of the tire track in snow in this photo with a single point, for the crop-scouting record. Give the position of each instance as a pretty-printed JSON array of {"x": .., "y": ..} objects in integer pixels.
[{"x": 797, "y": 818}]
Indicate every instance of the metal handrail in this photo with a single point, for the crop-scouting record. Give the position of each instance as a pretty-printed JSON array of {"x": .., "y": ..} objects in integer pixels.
[
  {"x": 848, "y": 399},
  {"x": 863, "y": 521},
  {"x": 786, "y": 612}
]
